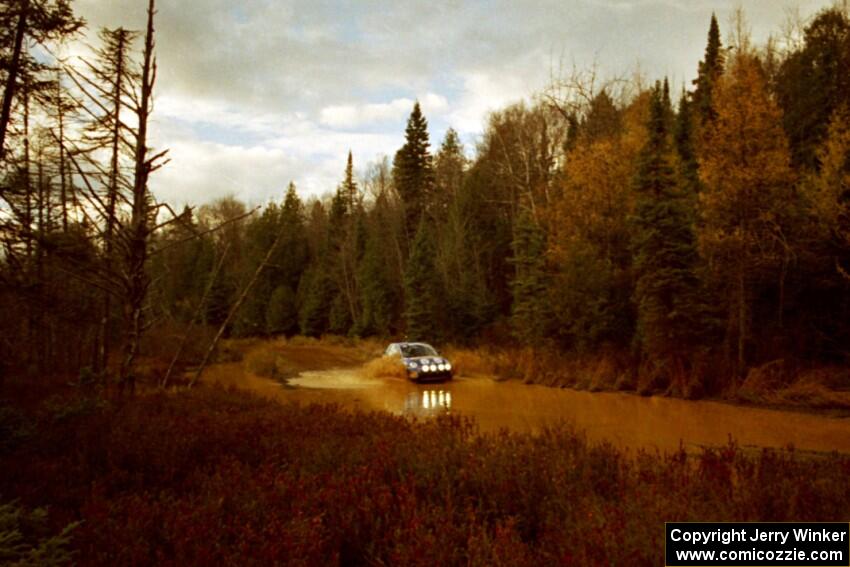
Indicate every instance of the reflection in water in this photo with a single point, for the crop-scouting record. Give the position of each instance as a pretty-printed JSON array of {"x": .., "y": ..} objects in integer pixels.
[
  {"x": 428, "y": 401},
  {"x": 623, "y": 419}
]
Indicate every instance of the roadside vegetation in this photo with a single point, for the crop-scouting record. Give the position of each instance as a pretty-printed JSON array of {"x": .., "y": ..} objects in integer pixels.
[{"x": 220, "y": 476}]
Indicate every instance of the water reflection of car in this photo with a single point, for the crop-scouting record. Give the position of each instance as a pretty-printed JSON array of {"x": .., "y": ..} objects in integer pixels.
[
  {"x": 421, "y": 361},
  {"x": 428, "y": 402}
]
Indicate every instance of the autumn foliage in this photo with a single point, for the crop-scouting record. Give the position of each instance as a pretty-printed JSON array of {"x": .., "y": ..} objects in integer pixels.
[{"x": 218, "y": 476}]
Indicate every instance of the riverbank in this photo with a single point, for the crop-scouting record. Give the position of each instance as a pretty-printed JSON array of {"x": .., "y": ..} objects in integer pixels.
[
  {"x": 824, "y": 390},
  {"x": 820, "y": 391},
  {"x": 219, "y": 475}
]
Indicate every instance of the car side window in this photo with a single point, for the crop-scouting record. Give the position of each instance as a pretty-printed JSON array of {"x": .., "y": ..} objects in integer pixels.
[{"x": 392, "y": 350}]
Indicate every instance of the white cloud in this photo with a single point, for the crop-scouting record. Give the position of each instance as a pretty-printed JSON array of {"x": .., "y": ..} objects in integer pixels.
[
  {"x": 353, "y": 115},
  {"x": 483, "y": 93},
  {"x": 252, "y": 94}
]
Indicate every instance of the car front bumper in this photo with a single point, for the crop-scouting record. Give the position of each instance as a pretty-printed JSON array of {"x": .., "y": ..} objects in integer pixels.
[{"x": 438, "y": 376}]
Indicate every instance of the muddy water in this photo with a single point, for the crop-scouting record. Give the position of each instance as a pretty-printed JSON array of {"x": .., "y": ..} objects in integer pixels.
[{"x": 625, "y": 420}]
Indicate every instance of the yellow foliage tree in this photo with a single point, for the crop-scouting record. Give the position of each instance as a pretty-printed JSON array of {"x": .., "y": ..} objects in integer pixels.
[
  {"x": 828, "y": 192},
  {"x": 749, "y": 190},
  {"x": 590, "y": 234}
]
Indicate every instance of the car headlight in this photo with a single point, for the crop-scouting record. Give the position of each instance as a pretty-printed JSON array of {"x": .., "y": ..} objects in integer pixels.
[
  {"x": 448, "y": 365},
  {"x": 433, "y": 368},
  {"x": 412, "y": 364},
  {"x": 441, "y": 367}
]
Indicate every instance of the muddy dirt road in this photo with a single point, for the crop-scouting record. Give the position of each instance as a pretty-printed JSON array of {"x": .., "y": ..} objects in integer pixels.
[{"x": 625, "y": 420}]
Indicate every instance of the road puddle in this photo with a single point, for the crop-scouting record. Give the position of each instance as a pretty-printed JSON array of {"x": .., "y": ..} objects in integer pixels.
[{"x": 625, "y": 420}]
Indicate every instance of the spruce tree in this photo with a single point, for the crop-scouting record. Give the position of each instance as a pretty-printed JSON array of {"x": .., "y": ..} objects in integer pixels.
[
  {"x": 665, "y": 252},
  {"x": 530, "y": 312},
  {"x": 685, "y": 150},
  {"x": 348, "y": 190},
  {"x": 413, "y": 171},
  {"x": 449, "y": 166},
  {"x": 282, "y": 312},
  {"x": 316, "y": 294},
  {"x": 292, "y": 255},
  {"x": 422, "y": 290},
  {"x": 376, "y": 291},
  {"x": 710, "y": 68}
]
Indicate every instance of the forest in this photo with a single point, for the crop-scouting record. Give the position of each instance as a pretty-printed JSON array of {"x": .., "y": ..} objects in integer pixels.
[
  {"x": 690, "y": 237},
  {"x": 693, "y": 240}
]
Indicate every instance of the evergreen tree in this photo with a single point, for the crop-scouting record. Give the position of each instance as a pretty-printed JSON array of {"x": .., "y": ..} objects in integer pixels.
[
  {"x": 282, "y": 312},
  {"x": 449, "y": 166},
  {"x": 710, "y": 68},
  {"x": 421, "y": 286},
  {"x": 376, "y": 290},
  {"x": 316, "y": 294},
  {"x": 349, "y": 191},
  {"x": 413, "y": 171},
  {"x": 530, "y": 308},
  {"x": 685, "y": 150},
  {"x": 603, "y": 119},
  {"x": 814, "y": 82},
  {"x": 665, "y": 251},
  {"x": 292, "y": 255},
  {"x": 260, "y": 234},
  {"x": 24, "y": 23}
]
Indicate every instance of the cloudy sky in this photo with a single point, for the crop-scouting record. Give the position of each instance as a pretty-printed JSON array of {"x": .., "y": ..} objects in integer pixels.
[{"x": 254, "y": 93}]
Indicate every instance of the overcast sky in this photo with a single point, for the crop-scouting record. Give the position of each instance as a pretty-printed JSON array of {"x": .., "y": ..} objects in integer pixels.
[{"x": 254, "y": 93}]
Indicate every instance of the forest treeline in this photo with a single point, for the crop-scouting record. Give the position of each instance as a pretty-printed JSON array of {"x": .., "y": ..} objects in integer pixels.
[{"x": 697, "y": 234}]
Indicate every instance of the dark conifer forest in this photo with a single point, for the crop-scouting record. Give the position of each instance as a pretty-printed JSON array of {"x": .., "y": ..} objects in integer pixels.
[
  {"x": 694, "y": 234},
  {"x": 693, "y": 239}
]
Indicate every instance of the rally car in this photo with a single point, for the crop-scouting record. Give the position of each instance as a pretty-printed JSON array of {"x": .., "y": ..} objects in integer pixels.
[{"x": 421, "y": 362}]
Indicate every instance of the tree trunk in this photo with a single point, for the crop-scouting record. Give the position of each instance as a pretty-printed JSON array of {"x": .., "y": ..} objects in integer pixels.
[
  {"x": 137, "y": 245},
  {"x": 102, "y": 358},
  {"x": 12, "y": 78}
]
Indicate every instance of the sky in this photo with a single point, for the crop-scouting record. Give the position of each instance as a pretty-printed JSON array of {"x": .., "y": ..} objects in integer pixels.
[{"x": 253, "y": 94}]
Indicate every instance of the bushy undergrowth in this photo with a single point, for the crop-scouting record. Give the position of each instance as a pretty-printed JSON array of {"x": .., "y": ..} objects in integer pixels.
[
  {"x": 25, "y": 539},
  {"x": 217, "y": 476}
]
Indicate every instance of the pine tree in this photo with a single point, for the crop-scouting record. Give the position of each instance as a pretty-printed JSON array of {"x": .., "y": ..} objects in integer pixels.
[
  {"x": 664, "y": 248},
  {"x": 26, "y": 22},
  {"x": 413, "y": 171},
  {"x": 421, "y": 286},
  {"x": 710, "y": 68}
]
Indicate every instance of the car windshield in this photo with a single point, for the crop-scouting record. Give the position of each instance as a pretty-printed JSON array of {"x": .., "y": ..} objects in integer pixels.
[{"x": 417, "y": 349}]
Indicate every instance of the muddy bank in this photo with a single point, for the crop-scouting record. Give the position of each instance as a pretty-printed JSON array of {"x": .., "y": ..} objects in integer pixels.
[{"x": 625, "y": 420}]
